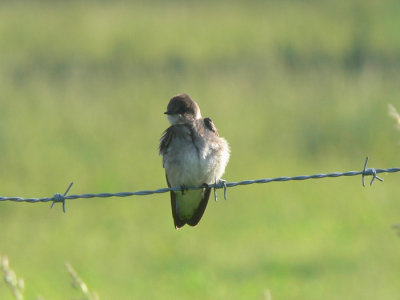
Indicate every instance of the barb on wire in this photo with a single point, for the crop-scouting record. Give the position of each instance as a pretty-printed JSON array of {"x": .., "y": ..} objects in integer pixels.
[
  {"x": 222, "y": 184},
  {"x": 373, "y": 174},
  {"x": 61, "y": 198}
]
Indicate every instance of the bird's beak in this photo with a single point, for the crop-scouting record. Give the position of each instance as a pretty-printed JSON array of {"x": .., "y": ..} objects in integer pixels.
[{"x": 168, "y": 113}]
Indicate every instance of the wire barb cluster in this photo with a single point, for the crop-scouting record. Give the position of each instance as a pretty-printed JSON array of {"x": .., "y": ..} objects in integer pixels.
[{"x": 60, "y": 198}]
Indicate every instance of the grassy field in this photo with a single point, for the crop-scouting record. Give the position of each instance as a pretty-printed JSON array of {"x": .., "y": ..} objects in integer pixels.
[{"x": 296, "y": 87}]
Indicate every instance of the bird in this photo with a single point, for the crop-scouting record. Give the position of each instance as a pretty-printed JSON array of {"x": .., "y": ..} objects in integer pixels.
[{"x": 194, "y": 155}]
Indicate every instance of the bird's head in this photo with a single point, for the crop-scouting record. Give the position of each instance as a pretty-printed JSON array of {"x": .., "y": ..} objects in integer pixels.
[{"x": 182, "y": 110}]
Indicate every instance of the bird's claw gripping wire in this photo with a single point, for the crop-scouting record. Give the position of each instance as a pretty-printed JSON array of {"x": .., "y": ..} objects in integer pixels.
[
  {"x": 369, "y": 171},
  {"x": 61, "y": 198},
  {"x": 221, "y": 184},
  {"x": 183, "y": 189}
]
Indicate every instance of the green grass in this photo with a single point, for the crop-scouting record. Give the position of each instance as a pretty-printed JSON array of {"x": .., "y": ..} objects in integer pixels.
[{"x": 295, "y": 87}]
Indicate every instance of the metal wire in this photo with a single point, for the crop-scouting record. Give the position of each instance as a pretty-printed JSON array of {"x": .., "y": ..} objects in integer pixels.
[{"x": 222, "y": 184}]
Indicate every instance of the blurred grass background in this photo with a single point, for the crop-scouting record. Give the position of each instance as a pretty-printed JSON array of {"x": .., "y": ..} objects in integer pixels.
[{"x": 296, "y": 87}]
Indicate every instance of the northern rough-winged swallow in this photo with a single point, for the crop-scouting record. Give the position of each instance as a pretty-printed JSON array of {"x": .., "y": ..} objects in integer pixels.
[{"x": 193, "y": 155}]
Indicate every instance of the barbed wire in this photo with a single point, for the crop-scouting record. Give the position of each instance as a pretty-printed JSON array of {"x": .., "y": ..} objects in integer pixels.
[{"x": 58, "y": 198}]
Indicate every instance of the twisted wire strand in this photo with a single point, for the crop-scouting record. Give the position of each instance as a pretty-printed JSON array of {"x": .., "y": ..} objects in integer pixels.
[{"x": 222, "y": 184}]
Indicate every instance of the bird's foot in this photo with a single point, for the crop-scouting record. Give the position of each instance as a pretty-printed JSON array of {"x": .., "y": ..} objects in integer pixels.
[
  {"x": 205, "y": 185},
  {"x": 183, "y": 189},
  {"x": 215, "y": 191},
  {"x": 221, "y": 184},
  {"x": 223, "y": 181}
]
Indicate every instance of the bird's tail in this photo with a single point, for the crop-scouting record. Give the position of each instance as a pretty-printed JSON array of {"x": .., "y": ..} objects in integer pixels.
[{"x": 188, "y": 206}]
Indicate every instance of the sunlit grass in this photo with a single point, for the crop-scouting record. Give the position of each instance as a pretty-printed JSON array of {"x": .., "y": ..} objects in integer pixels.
[{"x": 83, "y": 89}]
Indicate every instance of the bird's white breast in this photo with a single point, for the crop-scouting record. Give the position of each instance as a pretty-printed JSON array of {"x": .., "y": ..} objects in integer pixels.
[{"x": 193, "y": 161}]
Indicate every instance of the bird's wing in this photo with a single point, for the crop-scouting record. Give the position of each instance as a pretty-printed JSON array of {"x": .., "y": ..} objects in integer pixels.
[
  {"x": 165, "y": 140},
  {"x": 205, "y": 195},
  {"x": 210, "y": 125},
  {"x": 178, "y": 222}
]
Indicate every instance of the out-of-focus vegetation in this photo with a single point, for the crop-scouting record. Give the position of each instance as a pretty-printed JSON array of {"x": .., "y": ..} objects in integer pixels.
[{"x": 296, "y": 87}]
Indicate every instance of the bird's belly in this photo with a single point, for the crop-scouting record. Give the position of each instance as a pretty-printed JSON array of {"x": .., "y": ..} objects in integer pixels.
[
  {"x": 191, "y": 165},
  {"x": 183, "y": 166},
  {"x": 212, "y": 166}
]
